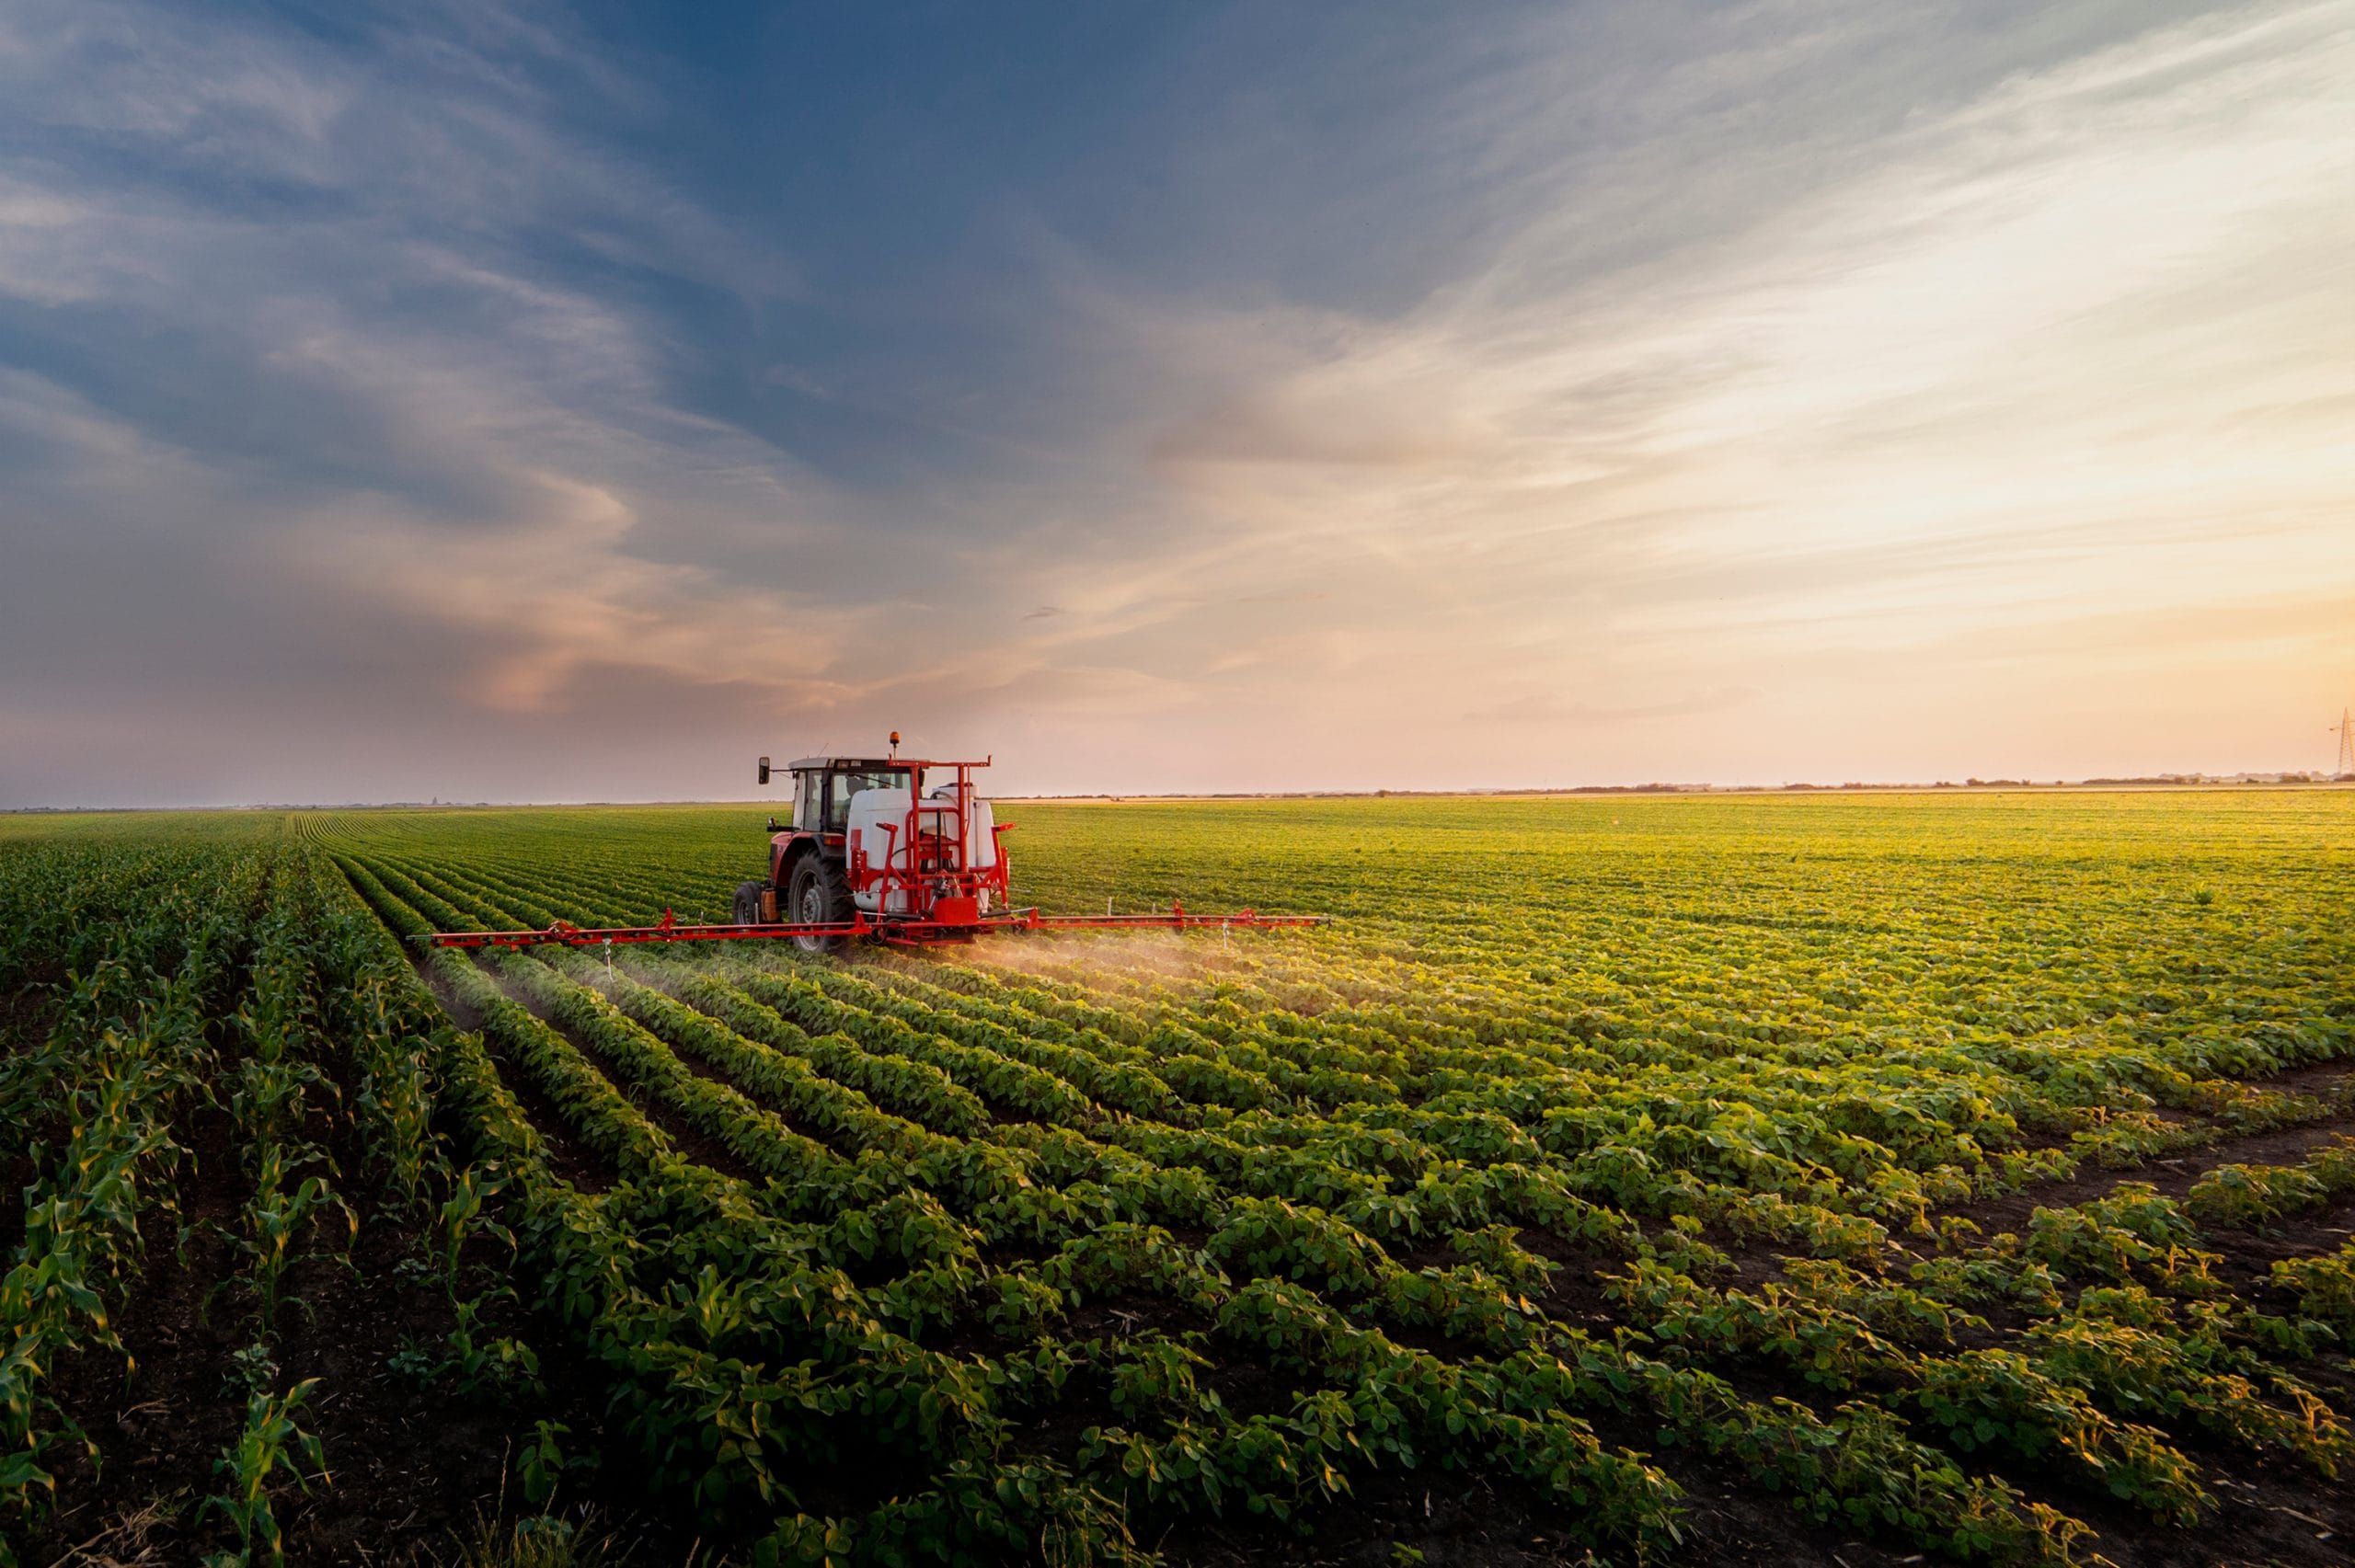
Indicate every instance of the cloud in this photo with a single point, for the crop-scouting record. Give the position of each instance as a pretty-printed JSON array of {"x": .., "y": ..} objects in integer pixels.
[
  {"x": 2049, "y": 311},
  {"x": 1483, "y": 398}
]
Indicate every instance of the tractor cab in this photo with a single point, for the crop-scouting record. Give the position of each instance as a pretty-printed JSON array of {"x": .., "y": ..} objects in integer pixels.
[{"x": 824, "y": 788}]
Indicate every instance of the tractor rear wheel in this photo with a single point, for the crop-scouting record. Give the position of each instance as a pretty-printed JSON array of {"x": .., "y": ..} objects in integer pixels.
[
  {"x": 819, "y": 895},
  {"x": 748, "y": 904}
]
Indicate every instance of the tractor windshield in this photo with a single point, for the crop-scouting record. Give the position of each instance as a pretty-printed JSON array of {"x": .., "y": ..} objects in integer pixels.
[{"x": 842, "y": 786}]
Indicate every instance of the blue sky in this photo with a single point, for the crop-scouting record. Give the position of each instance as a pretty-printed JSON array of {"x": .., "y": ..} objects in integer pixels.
[{"x": 539, "y": 402}]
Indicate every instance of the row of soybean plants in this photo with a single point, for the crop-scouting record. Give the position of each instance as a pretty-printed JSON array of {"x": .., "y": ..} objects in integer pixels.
[
  {"x": 1315, "y": 1290},
  {"x": 2035, "y": 958},
  {"x": 2231, "y": 1375},
  {"x": 1883, "y": 1125},
  {"x": 538, "y": 876},
  {"x": 2105, "y": 1362},
  {"x": 1908, "y": 1125},
  {"x": 2080, "y": 1381}
]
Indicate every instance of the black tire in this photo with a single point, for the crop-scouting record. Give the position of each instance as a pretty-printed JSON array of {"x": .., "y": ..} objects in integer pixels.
[
  {"x": 818, "y": 893},
  {"x": 748, "y": 902}
]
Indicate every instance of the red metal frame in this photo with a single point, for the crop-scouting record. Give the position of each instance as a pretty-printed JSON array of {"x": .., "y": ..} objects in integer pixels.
[
  {"x": 937, "y": 871},
  {"x": 908, "y": 931}
]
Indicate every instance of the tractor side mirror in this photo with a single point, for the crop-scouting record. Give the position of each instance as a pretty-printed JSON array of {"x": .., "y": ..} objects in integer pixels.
[
  {"x": 772, "y": 827},
  {"x": 764, "y": 770}
]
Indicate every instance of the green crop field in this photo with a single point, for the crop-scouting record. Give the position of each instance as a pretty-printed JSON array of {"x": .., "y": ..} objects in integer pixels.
[{"x": 1727, "y": 1179}]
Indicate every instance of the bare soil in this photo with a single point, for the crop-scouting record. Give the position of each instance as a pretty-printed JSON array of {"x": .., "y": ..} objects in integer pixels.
[{"x": 2175, "y": 1174}]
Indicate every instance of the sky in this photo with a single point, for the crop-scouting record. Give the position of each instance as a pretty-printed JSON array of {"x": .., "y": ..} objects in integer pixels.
[{"x": 506, "y": 401}]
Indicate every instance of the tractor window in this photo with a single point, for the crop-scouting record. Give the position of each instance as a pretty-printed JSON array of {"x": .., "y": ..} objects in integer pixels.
[{"x": 840, "y": 787}]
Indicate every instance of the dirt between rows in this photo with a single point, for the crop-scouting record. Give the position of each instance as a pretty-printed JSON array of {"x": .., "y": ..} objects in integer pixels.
[
  {"x": 2175, "y": 1174},
  {"x": 1755, "y": 1261},
  {"x": 27, "y": 1013},
  {"x": 26, "y": 1010},
  {"x": 2271, "y": 1510}
]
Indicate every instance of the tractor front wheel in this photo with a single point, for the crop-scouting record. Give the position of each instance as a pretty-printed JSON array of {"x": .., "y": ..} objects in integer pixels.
[
  {"x": 819, "y": 895},
  {"x": 748, "y": 904}
]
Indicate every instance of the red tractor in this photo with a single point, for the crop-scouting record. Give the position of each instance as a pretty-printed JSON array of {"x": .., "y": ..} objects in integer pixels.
[{"x": 870, "y": 838}]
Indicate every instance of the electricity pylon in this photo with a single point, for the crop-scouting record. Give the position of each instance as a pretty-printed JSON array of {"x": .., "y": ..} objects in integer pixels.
[{"x": 2345, "y": 730}]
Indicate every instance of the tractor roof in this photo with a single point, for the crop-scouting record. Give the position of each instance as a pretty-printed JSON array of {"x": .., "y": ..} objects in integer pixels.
[{"x": 875, "y": 764}]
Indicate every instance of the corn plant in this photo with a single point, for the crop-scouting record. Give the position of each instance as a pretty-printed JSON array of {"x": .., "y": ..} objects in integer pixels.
[
  {"x": 461, "y": 1218},
  {"x": 269, "y": 1444},
  {"x": 275, "y": 1220}
]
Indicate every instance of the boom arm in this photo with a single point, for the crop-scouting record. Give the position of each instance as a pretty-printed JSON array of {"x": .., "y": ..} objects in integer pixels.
[{"x": 908, "y": 932}]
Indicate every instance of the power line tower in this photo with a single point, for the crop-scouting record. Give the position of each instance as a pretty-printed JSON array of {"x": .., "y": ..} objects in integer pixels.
[{"x": 2345, "y": 730}]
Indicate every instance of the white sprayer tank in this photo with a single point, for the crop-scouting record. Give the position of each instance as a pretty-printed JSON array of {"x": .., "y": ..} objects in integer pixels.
[{"x": 878, "y": 846}]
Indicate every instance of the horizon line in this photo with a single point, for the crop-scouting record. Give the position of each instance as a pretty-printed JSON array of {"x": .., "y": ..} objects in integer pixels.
[{"x": 2285, "y": 779}]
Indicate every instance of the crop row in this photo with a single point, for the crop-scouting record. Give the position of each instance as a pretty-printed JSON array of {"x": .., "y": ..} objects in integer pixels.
[{"x": 1302, "y": 1260}]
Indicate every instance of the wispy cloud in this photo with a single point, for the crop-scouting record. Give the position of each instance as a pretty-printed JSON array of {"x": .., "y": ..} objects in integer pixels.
[
  {"x": 2022, "y": 363},
  {"x": 1600, "y": 394}
]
